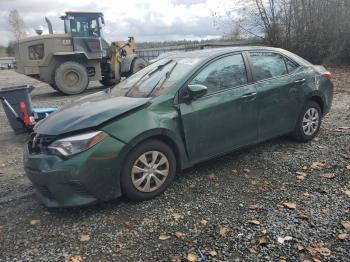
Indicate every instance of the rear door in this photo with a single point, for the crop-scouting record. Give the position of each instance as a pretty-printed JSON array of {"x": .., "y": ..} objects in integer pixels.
[
  {"x": 279, "y": 82},
  {"x": 226, "y": 117}
]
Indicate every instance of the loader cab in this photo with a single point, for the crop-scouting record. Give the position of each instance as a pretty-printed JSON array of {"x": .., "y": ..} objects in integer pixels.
[
  {"x": 83, "y": 24},
  {"x": 86, "y": 31}
]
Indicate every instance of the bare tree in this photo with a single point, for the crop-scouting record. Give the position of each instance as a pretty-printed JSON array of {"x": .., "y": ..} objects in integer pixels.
[
  {"x": 234, "y": 34},
  {"x": 318, "y": 30},
  {"x": 17, "y": 25}
]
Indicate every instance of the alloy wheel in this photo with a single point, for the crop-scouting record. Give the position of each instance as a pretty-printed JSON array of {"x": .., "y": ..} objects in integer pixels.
[
  {"x": 311, "y": 121},
  {"x": 150, "y": 171}
]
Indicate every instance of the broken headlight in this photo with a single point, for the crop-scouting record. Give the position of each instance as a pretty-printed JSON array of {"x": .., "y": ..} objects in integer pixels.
[{"x": 72, "y": 145}]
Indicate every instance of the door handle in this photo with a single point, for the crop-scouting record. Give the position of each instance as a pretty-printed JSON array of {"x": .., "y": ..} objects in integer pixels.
[
  {"x": 249, "y": 95},
  {"x": 300, "y": 81}
]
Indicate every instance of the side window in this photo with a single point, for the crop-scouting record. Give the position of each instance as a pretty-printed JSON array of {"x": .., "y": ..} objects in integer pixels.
[
  {"x": 267, "y": 65},
  {"x": 226, "y": 72},
  {"x": 291, "y": 66}
]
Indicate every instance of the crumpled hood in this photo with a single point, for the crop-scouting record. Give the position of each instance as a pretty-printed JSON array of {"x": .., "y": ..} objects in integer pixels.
[{"x": 89, "y": 111}]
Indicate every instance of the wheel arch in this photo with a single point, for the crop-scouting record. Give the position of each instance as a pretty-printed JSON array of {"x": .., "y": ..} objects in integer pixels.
[
  {"x": 170, "y": 139},
  {"x": 318, "y": 98}
]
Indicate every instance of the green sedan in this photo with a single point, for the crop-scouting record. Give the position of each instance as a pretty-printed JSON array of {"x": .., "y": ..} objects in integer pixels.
[{"x": 181, "y": 110}]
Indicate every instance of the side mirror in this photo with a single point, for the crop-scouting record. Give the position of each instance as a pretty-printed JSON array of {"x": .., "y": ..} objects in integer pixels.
[{"x": 197, "y": 90}]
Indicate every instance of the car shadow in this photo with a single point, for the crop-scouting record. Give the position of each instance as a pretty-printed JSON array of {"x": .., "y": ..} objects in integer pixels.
[
  {"x": 283, "y": 141},
  {"x": 197, "y": 170}
]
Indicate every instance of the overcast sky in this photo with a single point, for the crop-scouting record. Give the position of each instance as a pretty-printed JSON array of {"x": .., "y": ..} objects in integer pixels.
[{"x": 146, "y": 20}]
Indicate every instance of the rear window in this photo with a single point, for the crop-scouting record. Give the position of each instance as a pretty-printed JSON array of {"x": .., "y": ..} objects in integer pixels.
[
  {"x": 268, "y": 65},
  {"x": 291, "y": 66}
]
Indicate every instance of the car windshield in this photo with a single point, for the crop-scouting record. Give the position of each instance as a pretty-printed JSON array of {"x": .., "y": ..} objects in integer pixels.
[{"x": 157, "y": 78}]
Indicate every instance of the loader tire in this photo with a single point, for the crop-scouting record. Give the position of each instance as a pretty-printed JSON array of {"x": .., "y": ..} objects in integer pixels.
[
  {"x": 53, "y": 86},
  {"x": 137, "y": 65},
  {"x": 71, "y": 78},
  {"x": 107, "y": 81},
  {"x": 111, "y": 81}
]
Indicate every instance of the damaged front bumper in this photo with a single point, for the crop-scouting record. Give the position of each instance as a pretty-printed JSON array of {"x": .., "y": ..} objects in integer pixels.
[{"x": 86, "y": 178}]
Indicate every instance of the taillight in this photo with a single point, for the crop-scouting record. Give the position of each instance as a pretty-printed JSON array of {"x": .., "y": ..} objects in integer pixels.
[{"x": 327, "y": 75}]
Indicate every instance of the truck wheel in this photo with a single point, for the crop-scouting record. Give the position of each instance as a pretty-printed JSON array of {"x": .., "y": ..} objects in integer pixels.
[
  {"x": 54, "y": 86},
  {"x": 71, "y": 78},
  {"x": 137, "y": 65}
]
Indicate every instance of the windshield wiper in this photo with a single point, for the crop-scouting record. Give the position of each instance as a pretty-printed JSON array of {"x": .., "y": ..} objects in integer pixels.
[
  {"x": 161, "y": 82},
  {"x": 158, "y": 68}
]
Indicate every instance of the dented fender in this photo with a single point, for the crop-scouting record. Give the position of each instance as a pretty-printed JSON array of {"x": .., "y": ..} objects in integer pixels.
[{"x": 161, "y": 121}]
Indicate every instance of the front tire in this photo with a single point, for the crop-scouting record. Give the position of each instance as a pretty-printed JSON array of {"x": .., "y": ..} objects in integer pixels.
[
  {"x": 149, "y": 169},
  {"x": 137, "y": 65},
  {"x": 107, "y": 81},
  {"x": 309, "y": 122},
  {"x": 71, "y": 78}
]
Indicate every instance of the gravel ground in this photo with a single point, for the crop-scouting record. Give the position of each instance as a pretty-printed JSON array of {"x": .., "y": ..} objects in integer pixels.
[{"x": 233, "y": 208}]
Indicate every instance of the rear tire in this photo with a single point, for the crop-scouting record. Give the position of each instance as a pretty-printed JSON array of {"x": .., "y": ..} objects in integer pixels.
[
  {"x": 309, "y": 122},
  {"x": 135, "y": 174},
  {"x": 71, "y": 78}
]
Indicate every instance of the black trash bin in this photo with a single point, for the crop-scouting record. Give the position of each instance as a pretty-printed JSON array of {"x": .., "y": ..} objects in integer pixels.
[{"x": 14, "y": 95}]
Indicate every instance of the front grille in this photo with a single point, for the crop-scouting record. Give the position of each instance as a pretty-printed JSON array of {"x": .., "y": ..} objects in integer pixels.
[{"x": 38, "y": 143}]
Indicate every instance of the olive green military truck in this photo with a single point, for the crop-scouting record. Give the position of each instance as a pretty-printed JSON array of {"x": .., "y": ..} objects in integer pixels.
[{"x": 69, "y": 61}]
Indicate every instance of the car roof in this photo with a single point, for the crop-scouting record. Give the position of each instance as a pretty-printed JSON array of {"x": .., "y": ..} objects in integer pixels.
[{"x": 214, "y": 52}]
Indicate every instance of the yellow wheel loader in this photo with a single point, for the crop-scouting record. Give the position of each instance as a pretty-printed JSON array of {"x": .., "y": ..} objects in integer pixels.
[{"x": 69, "y": 61}]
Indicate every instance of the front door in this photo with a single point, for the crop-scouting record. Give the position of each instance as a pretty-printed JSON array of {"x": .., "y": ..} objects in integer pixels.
[{"x": 226, "y": 117}]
